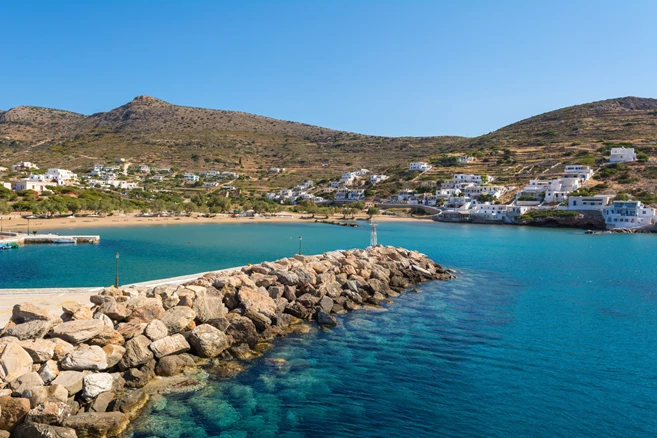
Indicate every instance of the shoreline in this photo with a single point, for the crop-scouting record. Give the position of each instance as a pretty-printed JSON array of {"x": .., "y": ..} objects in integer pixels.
[
  {"x": 14, "y": 222},
  {"x": 100, "y": 364}
]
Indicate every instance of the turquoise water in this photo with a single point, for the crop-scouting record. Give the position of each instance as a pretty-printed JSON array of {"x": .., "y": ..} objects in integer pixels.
[{"x": 544, "y": 333}]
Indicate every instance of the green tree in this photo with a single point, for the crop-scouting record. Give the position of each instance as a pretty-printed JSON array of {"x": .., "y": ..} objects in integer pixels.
[{"x": 373, "y": 211}]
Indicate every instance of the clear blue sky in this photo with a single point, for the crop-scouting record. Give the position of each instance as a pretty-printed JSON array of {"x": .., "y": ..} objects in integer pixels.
[{"x": 375, "y": 67}]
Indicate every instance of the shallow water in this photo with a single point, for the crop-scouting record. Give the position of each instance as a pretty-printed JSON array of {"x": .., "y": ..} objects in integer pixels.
[{"x": 544, "y": 333}]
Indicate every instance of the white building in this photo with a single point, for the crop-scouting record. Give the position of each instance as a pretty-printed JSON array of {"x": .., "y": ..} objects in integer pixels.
[
  {"x": 559, "y": 189},
  {"x": 490, "y": 212},
  {"x": 375, "y": 179},
  {"x": 622, "y": 155},
  {"x": 145, "y": 169},
  {"x": 191, "y": 177},
  {"x": 475, "y": 191},
  {"x": 211, "y": 184},
  {"x": 362, "y": 172},
  {"x": 597, "y": 202},
  {"x": 277, "y": 170},
  {"x": 229, "y": 175},
  {"x": 420, "y": 166},
  {"x": 25, "y": 165},
  {"x": 30, "y": 184},
  {"x": 584, "y": 173},
  {"x": 465, "y": 159},
  {"x": 5, "y": 185},
  {"x": 628, "y": 214},
  {"x": 158, "y": 178},
  {"x": 61, "y": 175}
]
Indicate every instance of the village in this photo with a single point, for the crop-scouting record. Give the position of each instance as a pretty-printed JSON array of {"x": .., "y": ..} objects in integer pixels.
[{"x": 466, "y": 197}]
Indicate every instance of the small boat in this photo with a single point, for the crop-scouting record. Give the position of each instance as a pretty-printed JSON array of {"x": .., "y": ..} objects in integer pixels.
[{"x": 64, "y": 240}]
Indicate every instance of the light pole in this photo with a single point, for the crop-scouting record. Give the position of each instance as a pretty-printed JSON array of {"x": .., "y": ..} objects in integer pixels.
[
  {"x": 1, "y": 224},
  {"x": 116, "y": 278},
  {"x": 28, "y": 226},
  {"x": 299, "y": 245}
]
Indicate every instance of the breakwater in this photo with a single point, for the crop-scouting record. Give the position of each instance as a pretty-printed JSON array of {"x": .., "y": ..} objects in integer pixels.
[{"x": 92, "y": 370}]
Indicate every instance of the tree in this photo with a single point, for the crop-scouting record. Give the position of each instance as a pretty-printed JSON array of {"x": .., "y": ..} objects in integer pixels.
[
  {"x": 373, "y": 211},
  {"x": 190, "y": 207},
  {"x": 4, "y": 207}
]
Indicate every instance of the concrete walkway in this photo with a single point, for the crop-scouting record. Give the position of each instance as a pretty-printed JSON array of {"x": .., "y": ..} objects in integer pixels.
[{"x": 52, "y": 299}]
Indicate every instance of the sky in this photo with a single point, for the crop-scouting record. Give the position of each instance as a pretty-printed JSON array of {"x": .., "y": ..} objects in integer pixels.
[{"x": 393, "y": 68}]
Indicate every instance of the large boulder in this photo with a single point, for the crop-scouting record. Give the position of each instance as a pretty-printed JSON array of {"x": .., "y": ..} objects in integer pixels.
[
  {"x": 25, "y": 382},
  {"x": 85, "y": 358},
  {"x": 30, "y": 330},
  {"x": 108, "y": 336},
  {"x": 14, "y": 362},
  {"x": 95, "y": 384},
  {"x": 131, "y": 329},
  {"x": 13, "y": 412},
  {"x": 26, "y": 312},
  {"x": 114, "y": 353},
  {"x": 146, "y": 310},
  {"x": 156, "y": 330},
  {"x": 177, "y": 318},
  {"x": 173, "y": 344},
  {"x": 77, "y": 332},
  {"x": 324, "y": 319},
  {"x": 287, "y": 278},
  {"x": 136, "y": 352},
  {"x": 97, "y": 424},
  {"x": 49, "y": 371},
  {"x": 76, "y": 312},
  {"x": 208, "y": 308},
  {"x": 326, "y": 304},
  {"x": 71, "y": 380},
  {"x": 253, "y": 300},
  {"x": 36, "y": 430},
  {"x": 115, "y": 310},
  {"x": 50, "y": 412},
  {"x": 171, "y": 365},
  {"x": 40, "y": 350},
  {"x": 242, "y": 330},
  {"x": 208, "y": 341}
]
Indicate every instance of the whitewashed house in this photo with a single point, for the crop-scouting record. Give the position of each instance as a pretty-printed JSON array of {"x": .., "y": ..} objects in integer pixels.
[
  {"x": 145, "y": 169},
  {"x": 31, "y": 184},
  {"x": 584, "y": 173},
  {"x": 375, "y": 179},
  {"x": 622, "y": 155},
  {"x": 597, "y": 202},
  {"x": 559, "y": 189},
  {"x": 628, "y": 214},
  {"x": 419, "y": 166},
  {"x": 5, "y": 185},
  {"x": 465, "y": 159},
  {"x": 25, "y": 165},
  {"x": 62, "y": 176},
  {"x": 489, "y": 212},
  {"x": 277, "y": 170},
  {"x": 191, "y": 177}
]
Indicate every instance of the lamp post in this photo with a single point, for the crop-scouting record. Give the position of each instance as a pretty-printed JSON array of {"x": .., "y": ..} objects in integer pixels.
[
  {"x": 1, "y": 224},
  {"x": 116, "y": 277},
  {"x": 300, "y": 245},
  {"x": 28, "y": 225}
]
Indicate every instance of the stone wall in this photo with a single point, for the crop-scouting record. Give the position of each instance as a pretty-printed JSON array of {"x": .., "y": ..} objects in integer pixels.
[{"x": 90, "y": 371}]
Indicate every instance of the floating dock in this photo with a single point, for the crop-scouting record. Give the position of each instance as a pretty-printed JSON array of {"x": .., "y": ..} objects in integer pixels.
[{"x": 24, "y": 239}]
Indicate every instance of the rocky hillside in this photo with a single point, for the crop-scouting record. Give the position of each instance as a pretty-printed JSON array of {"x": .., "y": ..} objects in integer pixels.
[{"x": 149, "y": 130}]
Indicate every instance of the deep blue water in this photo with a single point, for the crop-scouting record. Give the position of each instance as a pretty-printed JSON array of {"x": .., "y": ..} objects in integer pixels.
[{"x": 544, "y": 333}]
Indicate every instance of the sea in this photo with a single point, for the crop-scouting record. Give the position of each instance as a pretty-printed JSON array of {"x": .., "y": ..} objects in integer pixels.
[{"x": 544, "y": 333}]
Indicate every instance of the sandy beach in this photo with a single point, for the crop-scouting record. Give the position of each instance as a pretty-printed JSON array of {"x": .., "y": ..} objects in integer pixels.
[{"x": 15, "y": 222}]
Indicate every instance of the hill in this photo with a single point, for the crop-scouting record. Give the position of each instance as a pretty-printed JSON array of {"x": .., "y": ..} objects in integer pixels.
[{"x": 149, "y": 130}]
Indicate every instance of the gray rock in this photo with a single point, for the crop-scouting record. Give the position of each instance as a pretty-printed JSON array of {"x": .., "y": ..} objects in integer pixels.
[
  {"x": 326, "y": 304},
  {"x": 169, "y": 366},
  {"x": 137, "y": 352},
  {"x": 156, "y": 330},
  {"x": 27, "y": 312},
  {"x": 35, "y": 430},
  {"x": 25, "y": 382},
  {"x": 173, "y": 344},
  {"x": 76, "y": 332},
  {"x": 208, "y": 341},
  {"x": 49, "y": 371},
  {"x": 253, "y": 300},
  {"x": 102, "y": 402},
  {"x": 85, "y": 358},
  {"x": 208, "y": 308},
  {"x": 95, "y": 384},
  {"x": 71, "y": 380},
  {"x": 177, "y": 318},
  {"x": 287, "y": 278},
  {"x": 114, "y": 310},
  {"x": 324, "y": 319},
  {"x": 30, "y": 330},
  {"x": 260, "y": 321},
  {"x": 40, "y": 350},
  {"x": 76, "y": 312},
  {"x": 242, "y": 330},
  {"x": 100, "y": 424},
  {"x": 50, "y": 412}
]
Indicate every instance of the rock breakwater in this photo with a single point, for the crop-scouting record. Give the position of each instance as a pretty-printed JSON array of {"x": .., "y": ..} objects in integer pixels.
[{"x": 91, "y": 370}]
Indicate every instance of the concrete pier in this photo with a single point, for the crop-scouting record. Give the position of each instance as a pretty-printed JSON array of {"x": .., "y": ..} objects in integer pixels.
[{"x": 23, "y": 239}]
